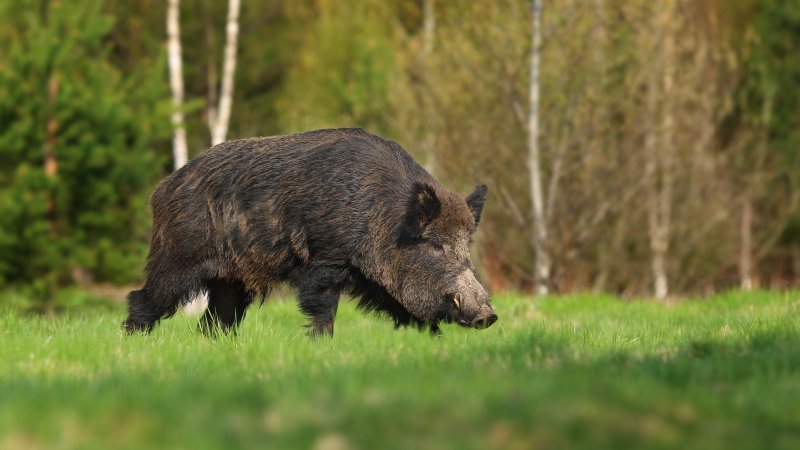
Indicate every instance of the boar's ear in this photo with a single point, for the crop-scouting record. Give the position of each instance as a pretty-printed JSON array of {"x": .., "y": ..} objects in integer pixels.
[
  {"x": 476, "y": 200},
  {"x": 423, "y": 206}
]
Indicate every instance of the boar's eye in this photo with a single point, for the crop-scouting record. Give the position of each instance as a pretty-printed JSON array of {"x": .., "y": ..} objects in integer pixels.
[{"x": 438, "y": 246}]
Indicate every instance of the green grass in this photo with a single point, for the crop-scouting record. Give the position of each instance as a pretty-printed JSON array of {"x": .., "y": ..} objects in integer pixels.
[{"x": 575, "y": 372}]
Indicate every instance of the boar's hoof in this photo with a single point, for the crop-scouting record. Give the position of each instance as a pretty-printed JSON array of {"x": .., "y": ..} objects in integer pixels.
[
  {"x": 132, "y": 327},
  {"x": 213, "y": 328},
  {"x": 317, "y": 329}
]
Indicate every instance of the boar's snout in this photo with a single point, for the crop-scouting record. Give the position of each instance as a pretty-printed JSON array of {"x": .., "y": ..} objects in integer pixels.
[
  {"x": 475, "y": 313},
  {"x": 472, "y": 307},
  {"x": 484, "y": 320}
]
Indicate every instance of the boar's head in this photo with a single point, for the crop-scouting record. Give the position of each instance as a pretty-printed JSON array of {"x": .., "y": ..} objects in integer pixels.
[{"x": 436, "y": 277}]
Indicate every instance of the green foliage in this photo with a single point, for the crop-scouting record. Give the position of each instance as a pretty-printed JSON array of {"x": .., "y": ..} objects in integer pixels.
[
  {"x": 775, "y": 67},
  {"x": 27, "y": 301},
  {"x": 25, "y": 244},
  {"x": 576, "y": 372},
  {"x": 455, "y": 98},
  {"x": 344, "y": 70},
  {"x": 60, "y": 94}
]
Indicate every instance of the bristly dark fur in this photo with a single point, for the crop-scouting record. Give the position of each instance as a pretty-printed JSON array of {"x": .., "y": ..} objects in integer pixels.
[{"x": 326, "y": 211}]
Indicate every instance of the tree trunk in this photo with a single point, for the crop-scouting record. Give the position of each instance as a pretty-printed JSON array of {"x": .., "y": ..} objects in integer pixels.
[
  {"x": 428, "y": 39},
  {"x": 220, "y": 129},
  {"x": 50, "y": 161},
  {"x": 746, "y": 248},
  {"x": 50, "y": 165},
  {"x": 660, "y": 152},
  {"x": 539, "y": 228},
  {"x": 179, "y": 149},
  {"x": 655, "y": 218},
  {"x": 212, "y": 90},
  {"x": 51, "y": 171},
  {"x": 429, "y": 27},
  {"x": 599, "y": 36}
]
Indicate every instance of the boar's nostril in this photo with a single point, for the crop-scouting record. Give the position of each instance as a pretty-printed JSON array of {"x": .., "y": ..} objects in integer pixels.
[{"x": 485, "y": 322}]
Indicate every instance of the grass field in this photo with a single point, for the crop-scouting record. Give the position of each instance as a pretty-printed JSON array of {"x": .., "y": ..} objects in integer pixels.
[{"x": 574, "y": 372}]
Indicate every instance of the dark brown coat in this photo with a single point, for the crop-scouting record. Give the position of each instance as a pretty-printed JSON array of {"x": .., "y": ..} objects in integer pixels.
[{"x": 326, "y": 211}]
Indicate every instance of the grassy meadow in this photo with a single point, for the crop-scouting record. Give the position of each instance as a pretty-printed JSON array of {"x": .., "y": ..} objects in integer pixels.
[{"x": 555, "y": 373}]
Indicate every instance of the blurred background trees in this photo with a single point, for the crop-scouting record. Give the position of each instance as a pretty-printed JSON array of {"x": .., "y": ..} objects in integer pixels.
[
  {"x": 668, "y": 132},
  {"x": 77, "y": 148}
]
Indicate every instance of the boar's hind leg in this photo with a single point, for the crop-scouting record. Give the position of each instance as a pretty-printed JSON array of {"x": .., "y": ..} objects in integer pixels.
[
  {"x": 227, "y": 305},
  {"x": 141, "y": 315},
  {"x": 318, "y": 292},
  {"x": 161, "y": 296}
]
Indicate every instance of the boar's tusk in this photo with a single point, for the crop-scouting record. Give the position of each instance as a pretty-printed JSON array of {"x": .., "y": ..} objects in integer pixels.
[{"x": 457, "y": 301}]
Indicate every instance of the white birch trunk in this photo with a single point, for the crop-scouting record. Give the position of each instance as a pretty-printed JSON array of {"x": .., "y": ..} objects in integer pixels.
[
  {"x": 655, "y": 216},
  {"x": 659, "y": 154},
  {"x": 658, "y": 245},
  {"x": 212, "y": 91},
  {"x": 428, "y": 38},
  {"x": 539, "y": 228},
  {"x": 746, "y": 250},
  {"x": 180, "y": 152},
  {"x": 428, "y": 27},
  {"x": 668, "y": 150},
  {"x": 219, "y": 130}
]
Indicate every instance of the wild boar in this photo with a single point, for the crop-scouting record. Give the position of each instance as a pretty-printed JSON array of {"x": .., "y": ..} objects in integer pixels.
[{"x": 327, "y": 211}]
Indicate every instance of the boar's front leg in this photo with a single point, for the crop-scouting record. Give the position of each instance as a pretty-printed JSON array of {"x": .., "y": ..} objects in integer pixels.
[
  {"x": 227, "y": 304},
  {"x": 318, "y": 291}
]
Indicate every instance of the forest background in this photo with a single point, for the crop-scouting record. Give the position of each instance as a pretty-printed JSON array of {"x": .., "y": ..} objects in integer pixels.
[{"x": 633, "y": 147}]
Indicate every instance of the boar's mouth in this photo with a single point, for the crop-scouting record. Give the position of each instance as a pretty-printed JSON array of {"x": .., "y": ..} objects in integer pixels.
[
  {"x": 456, "y": 314},
  {"x": 449, "y": 311}
]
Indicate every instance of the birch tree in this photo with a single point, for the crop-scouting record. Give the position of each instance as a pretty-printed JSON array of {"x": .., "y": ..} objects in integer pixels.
[
  {"x": 539, "y": 226},
  {"x": 179, "y": 149},
  {"x": 746, "y": 246},
  {"x": 767, "y": 182},
  {"x": 212, "y": 76},
  {"x": 659, "y": 149},
  {"x": 428, "y": 36},
  {"x": 219, "y": 117}
]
